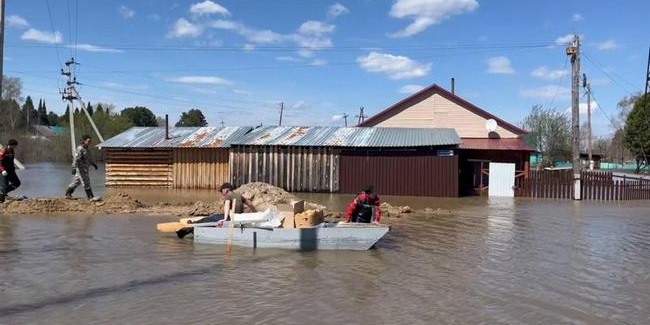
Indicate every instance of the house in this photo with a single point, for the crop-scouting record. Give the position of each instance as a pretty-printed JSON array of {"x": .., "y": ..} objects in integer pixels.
[{"x": 485, "y": 137}]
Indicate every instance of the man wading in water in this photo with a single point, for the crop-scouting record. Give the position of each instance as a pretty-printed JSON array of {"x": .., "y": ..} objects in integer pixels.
[
  {"x": 9, "y": 181},
  {"x": 80, "y": 165}
]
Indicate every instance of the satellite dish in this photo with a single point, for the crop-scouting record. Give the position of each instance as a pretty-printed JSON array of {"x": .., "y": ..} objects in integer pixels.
[{"x": 491, "y": 125}]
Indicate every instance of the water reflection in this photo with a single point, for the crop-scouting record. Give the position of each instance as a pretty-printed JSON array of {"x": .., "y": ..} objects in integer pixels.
[{"x": 494, "y": 261}]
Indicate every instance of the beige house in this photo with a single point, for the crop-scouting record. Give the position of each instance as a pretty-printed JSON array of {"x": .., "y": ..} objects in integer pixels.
[{"x": 485, "y": 137}]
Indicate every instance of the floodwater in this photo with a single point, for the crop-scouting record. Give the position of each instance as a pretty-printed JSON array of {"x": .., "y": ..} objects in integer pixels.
[{"x": 489, "y": 262}]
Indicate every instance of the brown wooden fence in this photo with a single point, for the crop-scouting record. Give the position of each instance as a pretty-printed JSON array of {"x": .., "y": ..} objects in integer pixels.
[{"x": 596, "y": 185}]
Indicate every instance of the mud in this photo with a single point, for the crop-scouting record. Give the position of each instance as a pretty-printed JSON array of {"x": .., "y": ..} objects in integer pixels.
[{"x": 262, "y": 196}]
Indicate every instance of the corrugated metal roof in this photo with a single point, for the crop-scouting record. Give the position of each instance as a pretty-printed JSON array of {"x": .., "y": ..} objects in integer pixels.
[
  {"x": 330, "y": 136},
  {"x": 194, "y": 137}
]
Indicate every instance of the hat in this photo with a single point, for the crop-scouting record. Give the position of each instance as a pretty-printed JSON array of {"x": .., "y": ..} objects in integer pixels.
[
  {"x": 369, "y": 189},
  {"x": 12, "y": 142},
  {"x": 226, "y": 186}
]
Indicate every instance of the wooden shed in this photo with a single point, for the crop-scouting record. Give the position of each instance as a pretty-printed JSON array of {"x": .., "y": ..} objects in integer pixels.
[
  {"x": 398, "y": 161},
  {"x": 180, "y": 157}
]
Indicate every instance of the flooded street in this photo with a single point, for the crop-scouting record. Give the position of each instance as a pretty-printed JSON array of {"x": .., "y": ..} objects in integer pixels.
[{"x": 489, "y": 262}]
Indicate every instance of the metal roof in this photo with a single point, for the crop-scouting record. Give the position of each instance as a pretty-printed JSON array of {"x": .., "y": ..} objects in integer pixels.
[
  {"x": 330, "y": 136},
  {"x": 514, "y": 144},
  {"x": 194, "y": 137}
]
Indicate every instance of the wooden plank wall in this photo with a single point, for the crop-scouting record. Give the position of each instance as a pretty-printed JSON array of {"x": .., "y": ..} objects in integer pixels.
[
  {"x": 127, "y": 167},
  {"x": 200, "y": 168},
  {"x": 295, "y": 169}
]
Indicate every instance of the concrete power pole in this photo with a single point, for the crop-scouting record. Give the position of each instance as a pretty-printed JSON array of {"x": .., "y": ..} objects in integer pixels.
[
  {"x": 345, "y": 117},
  {"x": 2, "y": 42},
  {"x": 70, "y": 94},
  {"x": 647, "y": 75},
  {"x": 573, "y": 51},
  {"x": 587, "y": 87},
  {"x": 281, "y": 110},
  {"x": 361, "y": 117}
]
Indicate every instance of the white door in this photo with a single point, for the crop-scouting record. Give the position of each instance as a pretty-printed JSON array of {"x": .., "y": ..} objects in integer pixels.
[{"x": 502, "y": 180}]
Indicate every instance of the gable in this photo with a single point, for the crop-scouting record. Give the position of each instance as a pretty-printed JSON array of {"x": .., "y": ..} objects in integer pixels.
[{"x": 435, "y": 107}]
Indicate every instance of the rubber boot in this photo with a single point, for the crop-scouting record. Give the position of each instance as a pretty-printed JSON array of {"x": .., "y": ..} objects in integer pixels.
[
  {"x": 91, "y": 196},
  {"x": 2, "y": 198},
  {"x": 68, "y": 192}
]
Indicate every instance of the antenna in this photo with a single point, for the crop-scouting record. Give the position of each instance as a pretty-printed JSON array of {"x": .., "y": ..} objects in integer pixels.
[{"x": 491, "y": 125}]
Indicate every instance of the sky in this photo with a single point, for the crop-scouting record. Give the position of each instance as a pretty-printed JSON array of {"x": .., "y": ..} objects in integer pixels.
[{"x": 238, "y": 60}]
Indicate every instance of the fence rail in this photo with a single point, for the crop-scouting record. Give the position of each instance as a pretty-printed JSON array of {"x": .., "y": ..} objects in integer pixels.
[{"x": 596, "y": 185}]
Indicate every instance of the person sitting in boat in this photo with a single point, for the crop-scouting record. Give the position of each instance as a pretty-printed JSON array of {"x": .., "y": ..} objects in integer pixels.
[
  {"x": 233, "y": 201},
  {"x": 364, "y": 207}
]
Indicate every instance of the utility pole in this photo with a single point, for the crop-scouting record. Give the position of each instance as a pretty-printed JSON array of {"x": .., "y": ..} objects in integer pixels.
[
  {"x": 647, "y": 75},
  {"x": 281, "y": 110},
  {"x": 222, "y": 123},
  {"x": 70, "y": 94},
  {"x": 2, "y": 41},
  {"x": 573, "y": 51},
  {"x": 345, "y": 117},
  {"x": 587, "y": 87},
  {"x": 360, "y": 117}
]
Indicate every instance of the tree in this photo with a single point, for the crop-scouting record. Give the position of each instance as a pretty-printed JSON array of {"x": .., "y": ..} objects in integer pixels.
[
  {"x": 549, "y": 133},
  {"x": 41, "y": 114},
  {"x": 28, "y": 113},
  {"x": 637, "y": 131},
  {"x": 193, "y": 117},
  {"x": 89, "y": 108},
  {"x": 52, "y": 119},
  {"x": 12, "y": 88},
  {"x": 140, "y": 116}
]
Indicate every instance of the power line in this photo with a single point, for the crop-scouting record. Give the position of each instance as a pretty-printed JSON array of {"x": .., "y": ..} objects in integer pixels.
[{"x": 609, "y": 75}]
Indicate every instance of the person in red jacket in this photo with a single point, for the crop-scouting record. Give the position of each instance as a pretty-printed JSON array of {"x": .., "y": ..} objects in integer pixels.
[
  {"x": 9, "y": 181},
  {"x": 364, "y": 207}
]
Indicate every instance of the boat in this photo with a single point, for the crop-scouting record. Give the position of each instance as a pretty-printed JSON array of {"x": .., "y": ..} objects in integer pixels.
[
  {"x": 265, "y": 230},
  {"x": 325, "y": 236}
]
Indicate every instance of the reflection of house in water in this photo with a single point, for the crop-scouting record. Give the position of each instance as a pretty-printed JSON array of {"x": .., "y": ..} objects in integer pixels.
[{"x": 486, "y": 138}]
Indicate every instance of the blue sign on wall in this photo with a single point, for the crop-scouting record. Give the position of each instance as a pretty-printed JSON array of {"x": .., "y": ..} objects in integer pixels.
[{"x": 445, "y": 153}]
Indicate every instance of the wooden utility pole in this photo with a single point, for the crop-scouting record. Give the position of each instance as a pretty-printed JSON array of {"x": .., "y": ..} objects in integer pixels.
[
  {"x": 573, "y": 51},
  {"x": 281, "y": 110},
  {"x": 345, "y": 117},
  {"x": 2, "y": 42},
  {"x": 587, "y": 87}
]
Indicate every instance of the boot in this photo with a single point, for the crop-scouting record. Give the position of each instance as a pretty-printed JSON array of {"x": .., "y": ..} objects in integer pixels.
[
  {"x": 2, "y": 197},
  {"x": 91, "y": 196},
  {"x": 68, "y": 192}
]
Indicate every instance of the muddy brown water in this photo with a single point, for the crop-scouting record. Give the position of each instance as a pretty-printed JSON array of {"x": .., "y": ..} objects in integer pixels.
[{"x": 489, "y": 262}]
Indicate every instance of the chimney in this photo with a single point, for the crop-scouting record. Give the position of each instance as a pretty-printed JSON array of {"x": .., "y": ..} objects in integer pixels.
[
  {"x": 453, "y": 86},
  {"x": 166, "y": 126}
]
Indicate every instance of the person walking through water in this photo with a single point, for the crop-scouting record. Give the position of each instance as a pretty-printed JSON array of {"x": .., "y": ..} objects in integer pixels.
[
  {"x": 9, "y": 180},
  {"x": 81, "y": 163},
  {"x": 364, "y": 207}
]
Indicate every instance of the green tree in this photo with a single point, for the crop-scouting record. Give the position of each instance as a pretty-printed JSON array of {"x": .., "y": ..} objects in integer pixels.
[
  {"x": 41, "y": 113},
  {"x": 637, "y": 131},
  {"x": 28, "y": 114},
  {"x": 140, "y": 116},
  {"x": 549, "y": 133},
  {"x": 52, "y": 119},
  {"x": 193, "y": 117}
]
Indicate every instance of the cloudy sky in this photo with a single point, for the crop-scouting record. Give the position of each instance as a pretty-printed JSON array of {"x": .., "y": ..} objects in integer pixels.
[{"x": 236, "y": 60}]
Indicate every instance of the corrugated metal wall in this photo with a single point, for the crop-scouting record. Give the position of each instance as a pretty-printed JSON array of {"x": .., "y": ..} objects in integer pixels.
[
  {"x": 297, "y": 169},
  {"x": 200, "y": 167},
  {"x": 400, "y": 173},
  {"x": 128, "y": 167}
]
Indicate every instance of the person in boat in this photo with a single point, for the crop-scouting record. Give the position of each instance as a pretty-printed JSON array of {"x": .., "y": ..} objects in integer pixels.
[
  {"x": 9, "y": 180},
  {"x": 364, "y": 207},
  {"x": 80, "y": 166},
  {"x": 233, "y": 202}
]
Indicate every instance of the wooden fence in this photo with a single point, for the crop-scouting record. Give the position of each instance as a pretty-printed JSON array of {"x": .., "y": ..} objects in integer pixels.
[{"x": 596, "y": 185}]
